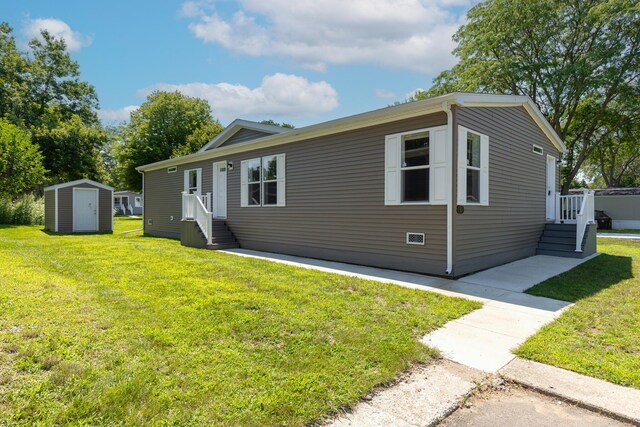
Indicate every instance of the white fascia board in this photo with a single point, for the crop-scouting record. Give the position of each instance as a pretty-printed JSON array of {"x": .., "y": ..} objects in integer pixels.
[
  {"x": 77, "y": 182},
  {"x": 380, "y": 116}
]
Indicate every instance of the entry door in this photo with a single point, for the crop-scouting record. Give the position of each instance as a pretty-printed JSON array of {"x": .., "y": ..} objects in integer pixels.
[
  {"x": 85, "y": 209},
  {"x": 219, "y": 197},
  {"x": 551, "y": 188}
]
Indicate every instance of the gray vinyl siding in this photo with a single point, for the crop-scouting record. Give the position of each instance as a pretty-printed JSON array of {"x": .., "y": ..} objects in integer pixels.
[
  {"x": 65, "y": 208},
  {"x": 244, "y": 135},
  {"x": 510, "y": 227},
  {"x": 50, "y": 210},
  {"x": 334, "y": 203}
]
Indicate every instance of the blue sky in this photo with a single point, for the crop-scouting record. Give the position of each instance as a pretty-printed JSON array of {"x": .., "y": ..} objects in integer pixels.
[{"x": 301, "y": 61}]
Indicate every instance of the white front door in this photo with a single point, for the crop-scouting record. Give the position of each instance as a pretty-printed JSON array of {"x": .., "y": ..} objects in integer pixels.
[
  {"x": 219, "y": 196},
  {"x": 551, "y": 188},
  {"x": 85, "y": 209}
]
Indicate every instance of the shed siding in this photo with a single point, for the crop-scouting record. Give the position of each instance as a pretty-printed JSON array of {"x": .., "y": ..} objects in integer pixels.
[
  {"x": 334, "y": 203},
  {"x": 65, "y": 208},
  {"x": 50, "y": 210},
  {"x": 244, "y": 135},
  {"x": 510, "y": 227}
]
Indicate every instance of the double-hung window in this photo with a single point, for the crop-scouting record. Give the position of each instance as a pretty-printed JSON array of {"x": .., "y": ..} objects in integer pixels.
[
  {"x": 416, "y": 167},
  {"x": 263, "y": 181},
  {"x": 473, "y": 167},
  {"x": 138, "y": 202},
  {"x": 193, "y": 181}
]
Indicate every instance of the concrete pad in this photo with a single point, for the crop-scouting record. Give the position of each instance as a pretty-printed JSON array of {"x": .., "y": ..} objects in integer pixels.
[
  {"x": 514, "y": 406},
  {"x": 593, "y": 393},
  {"x": 520, "y": 275},
  {"x": 477, "y": 348},
  {"x": 426, "y": 395}
]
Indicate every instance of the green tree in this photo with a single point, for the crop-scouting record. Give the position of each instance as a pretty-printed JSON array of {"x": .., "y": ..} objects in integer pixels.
[
  {"x": 72, "y": 149},
  {"x": 166, "y": 124},
  {"x": 274, "y": 123},
  {"x": 21, "y": 166},
  {"x": 13, "y": 87},
  {"x": 41, "y": 91},
  {"x": 575, "y": 59}
]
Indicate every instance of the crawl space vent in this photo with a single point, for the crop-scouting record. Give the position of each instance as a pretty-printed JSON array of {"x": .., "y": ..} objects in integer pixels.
[{"x": 415, "y": 238}]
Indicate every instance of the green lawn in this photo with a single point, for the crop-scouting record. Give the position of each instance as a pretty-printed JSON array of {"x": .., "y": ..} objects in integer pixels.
[
  {"x": 126, "y": 329},
  {"x": 600, "y": 334},
  {"x": 620, "y": 231}
]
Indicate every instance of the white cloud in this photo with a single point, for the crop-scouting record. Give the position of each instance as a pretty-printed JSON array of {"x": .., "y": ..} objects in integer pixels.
[
  {"x": 384, "y": 94},
  {"x": 406, "y": 34},
  {"x": 118, "y": 115},
  {"x": 60, "y": 30},
  {"x": 278, "y": 95}
]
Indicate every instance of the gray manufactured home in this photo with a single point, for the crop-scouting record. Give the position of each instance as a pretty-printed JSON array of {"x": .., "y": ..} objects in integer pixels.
[
  {"x": 443, "y": 186},
  {"x": 80, "y": 206},
  {"x": 127, "y": 203}
]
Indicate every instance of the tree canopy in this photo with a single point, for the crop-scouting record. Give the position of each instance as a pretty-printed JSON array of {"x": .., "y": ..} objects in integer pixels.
[
  {"x": 167, "y": 124},
  {"x": 578, "y": 60},
  {"x": 20, "y": 160},
  {"x": 41, "y": 92}
]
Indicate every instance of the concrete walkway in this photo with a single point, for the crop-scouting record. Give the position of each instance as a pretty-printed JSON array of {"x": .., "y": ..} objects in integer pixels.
[
  {"x": 620, "y": 236},
  {"x": 479, "y": 343}
]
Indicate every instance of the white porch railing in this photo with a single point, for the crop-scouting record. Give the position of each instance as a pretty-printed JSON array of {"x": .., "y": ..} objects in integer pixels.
[
  {"x": 576, "y": 209},
  {"x": 584, "y": 217},
  {"x": 206, "y": 201},
  {"x": 194, "y": 209},
  {"x": 567, "y": 208}
]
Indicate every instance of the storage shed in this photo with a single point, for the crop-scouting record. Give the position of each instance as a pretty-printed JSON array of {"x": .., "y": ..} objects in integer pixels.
[{"x": 80, "y": 206}]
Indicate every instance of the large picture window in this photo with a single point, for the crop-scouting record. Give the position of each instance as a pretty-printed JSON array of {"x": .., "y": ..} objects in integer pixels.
[
  {"x": 473, "y": 167},
  {"x": 263, "y": 181}
]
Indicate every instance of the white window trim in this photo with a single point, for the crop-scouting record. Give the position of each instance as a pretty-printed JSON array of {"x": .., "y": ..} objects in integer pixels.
[
  {"x": 462, "y": 168},
  {"x": 439, "y": 158},
  {"x": 280, "y": 179},
  {"x": 137, "y": 201},
  {"x": 539, "y": 149},
  {"x": 198, "y": 180}
]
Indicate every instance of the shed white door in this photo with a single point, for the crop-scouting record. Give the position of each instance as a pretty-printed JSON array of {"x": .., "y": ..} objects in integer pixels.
[
  {"x": 551, "y": 188},
  {"x": 85, "y": 209},
  {"x": 219, "y": 205}
]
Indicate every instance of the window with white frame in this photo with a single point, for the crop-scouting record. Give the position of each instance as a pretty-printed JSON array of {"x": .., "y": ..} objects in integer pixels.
[
  {"x": 193, "y": 181},
  {"x": 416, "y": 167},
  {"x": 138, "y": 202},
  {"x": 473, "y": 167},
  {"x": 263, "y": 181}
]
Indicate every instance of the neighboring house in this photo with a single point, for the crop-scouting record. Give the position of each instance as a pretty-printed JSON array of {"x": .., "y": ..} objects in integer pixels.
[
  {"x": 127, "y": 203},
  {"x": 621, "y": 204},
  {"x": 444, "y": 186},
  {"x": 78, "y": 207}
]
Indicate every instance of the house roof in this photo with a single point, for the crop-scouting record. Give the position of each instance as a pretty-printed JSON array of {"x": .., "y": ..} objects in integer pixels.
[
  {"x": 77, "y": 182},
  {"x": 237, "y": 125},
  {"x": 124, "y": 192},
  {"x": 635, "y": 191},
  {"x": 383, "y": 115}
]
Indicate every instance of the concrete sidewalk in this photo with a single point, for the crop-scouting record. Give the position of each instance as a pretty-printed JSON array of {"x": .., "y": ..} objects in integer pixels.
[
  {"x": 620, "y": 236},
  {"x": 479, "y": 343},
  {"x": 594, "y": 394}
]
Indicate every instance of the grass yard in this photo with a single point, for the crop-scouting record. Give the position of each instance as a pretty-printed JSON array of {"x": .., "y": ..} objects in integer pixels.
[
  {"x": 599, "y": 335},
  {"x": 125, "y": 329}
]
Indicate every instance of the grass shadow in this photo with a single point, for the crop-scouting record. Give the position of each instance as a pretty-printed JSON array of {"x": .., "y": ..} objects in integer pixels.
[
  {"x": 77, "y": 233},
  {"x": 586, "y": 279}
]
